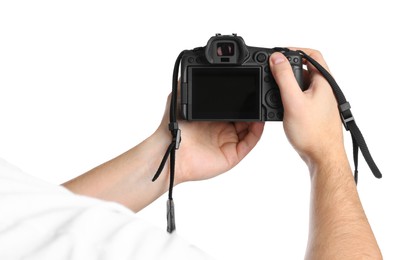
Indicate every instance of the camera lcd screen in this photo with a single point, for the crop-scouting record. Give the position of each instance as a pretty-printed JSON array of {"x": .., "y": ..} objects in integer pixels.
[{"x": 225, "y": 93}]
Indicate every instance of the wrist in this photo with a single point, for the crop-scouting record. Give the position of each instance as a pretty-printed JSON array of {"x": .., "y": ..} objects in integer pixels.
[
  {"x": 160, "y": 141},
  {"x": 335, "y": 158}
]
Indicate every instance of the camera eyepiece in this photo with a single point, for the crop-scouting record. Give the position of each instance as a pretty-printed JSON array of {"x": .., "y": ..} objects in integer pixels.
[{"x": 225, "y": 49}]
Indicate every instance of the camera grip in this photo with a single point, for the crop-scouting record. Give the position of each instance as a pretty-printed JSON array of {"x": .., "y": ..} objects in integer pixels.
[{"x": 295, "y": 60}]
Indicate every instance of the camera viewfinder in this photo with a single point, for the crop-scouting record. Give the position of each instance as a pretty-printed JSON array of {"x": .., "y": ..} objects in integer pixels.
[{"x": 225, "y": 49}]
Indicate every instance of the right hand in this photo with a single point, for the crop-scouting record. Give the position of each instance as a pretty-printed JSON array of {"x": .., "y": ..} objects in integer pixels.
[{"x": 312, "y": 121}]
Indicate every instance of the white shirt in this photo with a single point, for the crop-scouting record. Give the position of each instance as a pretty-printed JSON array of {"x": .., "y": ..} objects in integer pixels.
[{"x": 39, "y": 220}]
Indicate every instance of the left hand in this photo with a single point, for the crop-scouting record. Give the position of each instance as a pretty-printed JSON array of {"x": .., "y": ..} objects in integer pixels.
[{"x": 208, "y": 149}]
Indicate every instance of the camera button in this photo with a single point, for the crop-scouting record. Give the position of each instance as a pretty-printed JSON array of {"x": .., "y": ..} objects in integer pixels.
[
  {"x": 267, "y": 79},
  {"x": 273, "y": 98},
  {"x": 190, "y": 59},
  {"x": 261, "y": 57}
]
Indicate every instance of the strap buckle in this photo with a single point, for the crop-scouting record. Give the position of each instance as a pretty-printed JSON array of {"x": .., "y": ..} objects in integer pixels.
[
  {"x": 176, "y": 132},
  {"x": 346, "y": 115}
]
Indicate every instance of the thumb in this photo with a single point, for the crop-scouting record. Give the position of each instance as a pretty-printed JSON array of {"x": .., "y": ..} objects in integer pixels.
[{"x": 284, "y": 77}]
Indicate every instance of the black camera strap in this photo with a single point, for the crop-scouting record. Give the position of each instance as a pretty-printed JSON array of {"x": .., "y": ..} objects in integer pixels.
[
  {"x": 171, "y": 150},
  {"x": 345, "y": 114},
  {"x": 347, "y": 119}
]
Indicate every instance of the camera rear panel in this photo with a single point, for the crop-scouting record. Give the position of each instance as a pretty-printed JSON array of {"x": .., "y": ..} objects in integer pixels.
[{"x": 244, "y": 92}]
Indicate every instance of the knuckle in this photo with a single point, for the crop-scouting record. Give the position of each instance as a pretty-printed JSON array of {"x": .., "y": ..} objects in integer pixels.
[{"x": 316, "y": 54}]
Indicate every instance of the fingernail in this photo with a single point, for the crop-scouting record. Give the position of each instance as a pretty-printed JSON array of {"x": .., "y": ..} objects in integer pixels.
[{"x": 277, "y": 58}]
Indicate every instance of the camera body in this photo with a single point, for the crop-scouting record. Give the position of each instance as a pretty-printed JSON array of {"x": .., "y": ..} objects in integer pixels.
[{"x": 229, "y": 81}]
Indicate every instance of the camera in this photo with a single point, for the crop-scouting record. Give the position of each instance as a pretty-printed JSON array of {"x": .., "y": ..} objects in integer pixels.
[{"x": 229, "y": 81}]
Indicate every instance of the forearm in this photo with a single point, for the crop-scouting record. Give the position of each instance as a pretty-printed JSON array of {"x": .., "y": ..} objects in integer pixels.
[
  {"x": 339, "y": 228},
  {"x": 127, "y": 179}
]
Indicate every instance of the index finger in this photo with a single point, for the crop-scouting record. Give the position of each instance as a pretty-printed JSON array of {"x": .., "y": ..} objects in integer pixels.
[
  {"x": 314, "y": 74},
  {"x": 314, "y": 54}
]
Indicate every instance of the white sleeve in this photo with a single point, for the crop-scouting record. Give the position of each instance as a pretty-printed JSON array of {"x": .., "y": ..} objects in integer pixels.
[{"x": 39, "y": 220}]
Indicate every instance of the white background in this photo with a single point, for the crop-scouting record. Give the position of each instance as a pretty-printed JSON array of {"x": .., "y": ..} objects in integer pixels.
[{"x": 83, "y": 81}]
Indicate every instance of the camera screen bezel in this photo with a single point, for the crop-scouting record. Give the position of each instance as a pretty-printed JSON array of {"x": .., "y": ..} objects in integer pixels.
[{"x": 195, "y": 105}]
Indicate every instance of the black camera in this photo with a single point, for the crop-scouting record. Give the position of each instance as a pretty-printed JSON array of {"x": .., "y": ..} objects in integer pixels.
[{"x": 229, "y": 81}]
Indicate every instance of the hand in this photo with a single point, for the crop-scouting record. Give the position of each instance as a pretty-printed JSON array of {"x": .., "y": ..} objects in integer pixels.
[
  {"x": 313, "y": 126},
  {"x": 208, "y": 149},
  {"x": 312, "y": 121}
]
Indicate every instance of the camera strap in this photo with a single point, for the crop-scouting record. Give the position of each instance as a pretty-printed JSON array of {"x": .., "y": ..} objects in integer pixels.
[
  {"x": 347, "y": 119},
  {"x": 171, "y": 150}
]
